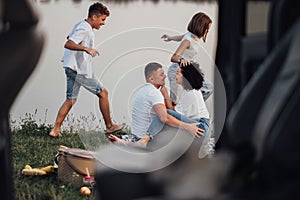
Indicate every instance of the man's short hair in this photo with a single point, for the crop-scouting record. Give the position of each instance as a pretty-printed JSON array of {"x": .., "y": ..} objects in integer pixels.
[
  {"x": 98, "y": 8},
  {"x": 150, "y": 68}
]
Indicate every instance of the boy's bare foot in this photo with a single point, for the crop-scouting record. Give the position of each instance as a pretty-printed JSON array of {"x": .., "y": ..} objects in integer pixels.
[
  {"x": 54, "y": 133},
  {"x": 115, "y": 128}
]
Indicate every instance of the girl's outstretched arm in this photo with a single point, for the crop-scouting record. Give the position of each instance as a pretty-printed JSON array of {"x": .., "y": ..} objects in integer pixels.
[{"x": 168, "y": 38}]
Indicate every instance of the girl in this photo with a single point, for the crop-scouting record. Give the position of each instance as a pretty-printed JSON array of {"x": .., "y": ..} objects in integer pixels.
[{"x": 189, "y": 50}]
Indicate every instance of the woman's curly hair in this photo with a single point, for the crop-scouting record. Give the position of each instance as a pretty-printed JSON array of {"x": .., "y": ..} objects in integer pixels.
[{"x": 192, "y": 76}]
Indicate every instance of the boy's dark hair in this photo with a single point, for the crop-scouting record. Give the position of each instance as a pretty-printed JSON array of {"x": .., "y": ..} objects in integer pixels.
[
  {"x": 199, "y": 24},
  {"x": 192, "y": 76},
  {"x": 151, "y": 67},
  {"x": 98, "y": 8}
]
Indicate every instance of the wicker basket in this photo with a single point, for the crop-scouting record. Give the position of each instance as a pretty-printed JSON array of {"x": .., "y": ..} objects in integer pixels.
[{"x": 72, "y": 165}]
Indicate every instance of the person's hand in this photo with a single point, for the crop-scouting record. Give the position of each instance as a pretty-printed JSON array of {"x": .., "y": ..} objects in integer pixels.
[
  {"x": 92, "y": 52},
  {"x": 194, "y": 130},
  {"x": 183, "y": 62},
  {"x": 166, "y": 38}
]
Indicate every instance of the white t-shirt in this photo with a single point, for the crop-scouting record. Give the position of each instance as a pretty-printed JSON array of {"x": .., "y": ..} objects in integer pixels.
[
  {"x": 195, "y": 51},
  {"x": 192, "y": 105},
  {"x": 143, "y": 112},
  {"x": 80, "y": 61}
]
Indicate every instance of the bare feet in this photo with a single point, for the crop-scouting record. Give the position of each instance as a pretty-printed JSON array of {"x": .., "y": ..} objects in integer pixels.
[
  {"x": 115, "y": 128},
  {"x": 54, "y": 133},
  {"x": 116, "y": 140},
  {"x": 141, "y": 143}
]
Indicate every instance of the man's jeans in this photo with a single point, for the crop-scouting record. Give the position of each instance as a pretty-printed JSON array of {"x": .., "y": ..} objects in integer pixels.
[{"x": 156, "y": 125}]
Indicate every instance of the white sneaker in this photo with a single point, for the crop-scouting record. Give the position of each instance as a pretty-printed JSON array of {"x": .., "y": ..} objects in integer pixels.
[{"x": 207, "y": 149}]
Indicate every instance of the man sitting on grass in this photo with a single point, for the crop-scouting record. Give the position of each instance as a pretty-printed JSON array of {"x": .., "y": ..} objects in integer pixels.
[{"x": 149, "y": 105}]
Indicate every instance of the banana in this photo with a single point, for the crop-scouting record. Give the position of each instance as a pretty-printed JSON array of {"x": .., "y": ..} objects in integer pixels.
[
  {"x": 27, "y": 167},
  {"x": 48, "y": 169},
  {"x": 34, "y": 171},
  {"x": 28, "y": 170}
]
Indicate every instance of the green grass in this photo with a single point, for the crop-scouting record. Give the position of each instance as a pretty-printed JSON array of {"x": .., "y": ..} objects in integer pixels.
[{"x": 32, "y": 145}]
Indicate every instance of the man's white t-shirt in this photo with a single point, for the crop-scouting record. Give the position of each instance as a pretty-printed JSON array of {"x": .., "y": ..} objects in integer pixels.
[
  {"x": 80, "y": 61},
  {"x": 192, "y": 105},
  {"x": 143, "y": 112}
]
